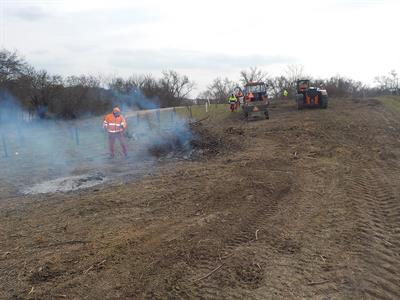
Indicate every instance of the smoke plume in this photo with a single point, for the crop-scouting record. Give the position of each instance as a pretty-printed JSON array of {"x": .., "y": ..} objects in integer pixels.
[{"x": 36, "y": 151}]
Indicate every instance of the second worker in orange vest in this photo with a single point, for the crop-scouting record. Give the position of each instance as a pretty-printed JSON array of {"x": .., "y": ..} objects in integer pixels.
[
  {"x": 250, "y": 97},
  {"x": 115, "y": 124}
]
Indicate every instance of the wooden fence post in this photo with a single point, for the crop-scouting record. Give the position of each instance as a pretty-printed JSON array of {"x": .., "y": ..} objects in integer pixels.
[
  {"x": 4, "y": 145},
  {"x": 190, "y": 112},
  {"x": 76, "y": 136},
  {"x": 173, "y": 113},
  {"x": 158, "y": 117}
]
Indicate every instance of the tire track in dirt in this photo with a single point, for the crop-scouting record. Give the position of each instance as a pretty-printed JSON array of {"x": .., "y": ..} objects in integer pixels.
[
  {"x": 316, "y": 271},
  {"x": 248, "y": 255},
  {"x": 378, "y": 220},
  {"x": 303, "y": 268},
  {"x": 240, "y": 277},
  {"x": 249, "y": 276},
  {"x": 372, "y": 187}
]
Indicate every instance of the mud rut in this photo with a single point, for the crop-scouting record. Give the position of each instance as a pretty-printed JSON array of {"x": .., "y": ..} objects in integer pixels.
[{"x": 308, "y": 208}]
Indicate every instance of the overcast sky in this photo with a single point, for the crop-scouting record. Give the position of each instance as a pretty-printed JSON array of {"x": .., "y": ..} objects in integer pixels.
[{"x": 205, "y": 39}]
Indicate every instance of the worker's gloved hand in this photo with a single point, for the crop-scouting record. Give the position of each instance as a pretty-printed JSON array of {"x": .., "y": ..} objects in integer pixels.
[{"x": 126, "y": 134}]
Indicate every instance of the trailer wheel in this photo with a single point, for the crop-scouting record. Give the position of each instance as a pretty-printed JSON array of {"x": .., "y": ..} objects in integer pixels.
[
  {"x": 324, "y": 100},
  {"x": 299, "y": 100}
]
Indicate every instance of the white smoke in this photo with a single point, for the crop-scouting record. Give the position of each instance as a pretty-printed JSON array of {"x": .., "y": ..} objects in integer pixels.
[{"x": 47, "y": 152}]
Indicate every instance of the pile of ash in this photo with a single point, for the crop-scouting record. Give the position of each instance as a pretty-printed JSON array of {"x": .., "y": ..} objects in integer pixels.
[{"x": 66, "y": 184}]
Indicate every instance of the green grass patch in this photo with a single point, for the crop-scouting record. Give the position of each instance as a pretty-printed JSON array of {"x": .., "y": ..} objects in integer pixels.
[
  {"x": 198, "y": 112},
  {"x": 391, "y": 102}
]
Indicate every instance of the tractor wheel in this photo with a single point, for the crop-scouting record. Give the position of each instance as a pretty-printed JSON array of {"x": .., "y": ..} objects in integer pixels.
[
  {"x": 299, "y": 100},
  {"x": 324, "y": 102}
]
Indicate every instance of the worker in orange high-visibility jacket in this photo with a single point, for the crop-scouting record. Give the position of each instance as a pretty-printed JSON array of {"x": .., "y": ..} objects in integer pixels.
[
  {"x": 239, "y": 96},
  {"x": 250, "y": 97},
  {"x": 115, "y": 124}
]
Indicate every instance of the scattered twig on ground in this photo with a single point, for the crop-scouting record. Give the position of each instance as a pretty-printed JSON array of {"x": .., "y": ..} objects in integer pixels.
[
  {"x": 257, "y": 234},
  {"x": 17, "y": 235},
  {"x": 208, "y": 274},
  {"x": 88, "y": 269},
  {"x": 387, "y": 242},
  {"x": 195, "y": 123},
  {"x": 95, "y": 265},
  {"x": 102, "y": 262},
  {"x": 31, "y": 291},
  {"x": 73, "y": 242},
  {"x": 310, "y": 157},
  {"x": 317, "y": 282},
  {"x": 226, "y": 256},
  {"x": 61, "y": 296}
]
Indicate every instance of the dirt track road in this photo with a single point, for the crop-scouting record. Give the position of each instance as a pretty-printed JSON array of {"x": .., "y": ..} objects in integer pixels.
[{"x": 308, "y": 207}]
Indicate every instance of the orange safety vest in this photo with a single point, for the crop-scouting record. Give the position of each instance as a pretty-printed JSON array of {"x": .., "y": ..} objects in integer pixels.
[{"x": 114, "y": 124}]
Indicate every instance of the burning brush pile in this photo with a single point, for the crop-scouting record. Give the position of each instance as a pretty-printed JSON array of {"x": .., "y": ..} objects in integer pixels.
[{"x": 202, "y": 142}]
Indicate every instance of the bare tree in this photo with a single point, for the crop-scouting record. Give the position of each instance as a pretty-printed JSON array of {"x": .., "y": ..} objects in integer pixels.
[
  {"x": 83, "y": 80},
  {"x": 175, "y": 88},
  {"x": 388, "y": 84},
  {"x": 293, "y": 73},
  {"x": 254, "y": 74},
  {"x": 394, "y": 82},
  {"x": 339, "y": 86},
  {"x": 12, "y": 66},
  {"x": 144, "y": 91},
  {"x": 277, "y": 85},
  {"x": 138, "y": 91},
  {"x": 178, "y": 85},
  {"x": 220, "y": 89},
  {"x": 43, "y": 90},
  {"x": 79, "y": 95},
  {"x": 120, "y": 85}
]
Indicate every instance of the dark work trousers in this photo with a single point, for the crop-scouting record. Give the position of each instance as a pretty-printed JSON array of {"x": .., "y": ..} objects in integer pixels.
[{"x": 112, "y": 136}]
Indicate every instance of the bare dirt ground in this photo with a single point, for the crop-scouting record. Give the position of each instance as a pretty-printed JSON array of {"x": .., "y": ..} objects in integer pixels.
[{"x": 304, "y": 205}]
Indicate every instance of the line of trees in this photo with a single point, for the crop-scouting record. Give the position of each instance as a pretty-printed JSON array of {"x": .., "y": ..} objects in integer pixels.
[
  {"x": 337, "y": 86},
  {"x": 46, "y": 95},
  {"x": 54, "y": 96},
  {"x": 388, "y": 83}
]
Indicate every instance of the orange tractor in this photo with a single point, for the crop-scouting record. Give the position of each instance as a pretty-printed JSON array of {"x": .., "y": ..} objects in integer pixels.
[
  {"x": 310, "y": 96},
  {"x": 255, "y": 102}
]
